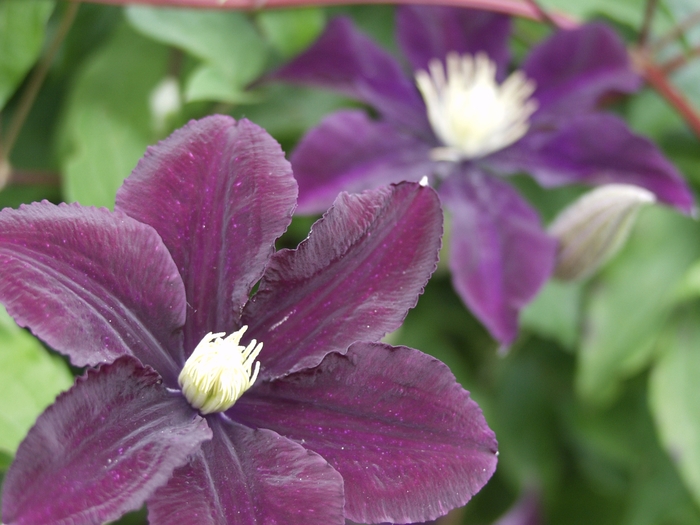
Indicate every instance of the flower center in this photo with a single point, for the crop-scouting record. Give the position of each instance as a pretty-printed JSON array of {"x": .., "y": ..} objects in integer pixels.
[
  {"x": 219, "y": 371},
  {"x": 470, "y": 113}
]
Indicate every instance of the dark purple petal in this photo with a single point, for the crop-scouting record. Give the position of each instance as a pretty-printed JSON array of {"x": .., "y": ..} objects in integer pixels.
[
  {"x": 574, "y": 68},
  {"x": 408, "y": 440},
  {"x": 427, "y": 32},
  {"x": 101, "y": 449},
  {"x": 250, "y": 476},
  {"x": 93, "y": 284},
  {"x": 597, "y": 149},
  {"x": 350, "y": 152},
  {"x": 355, "y": 277},
  {"x": 361, "y": 269},
  {"x": 347, "y": 61},
  {"x": 499, "y": 255},
  {"x": 219, "y": 192}
]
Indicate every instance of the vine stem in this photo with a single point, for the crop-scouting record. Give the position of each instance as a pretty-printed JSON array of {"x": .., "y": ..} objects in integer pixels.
[
  {"x": 657, "y": 78},
  {"x": 510, "y": 7},
  {"x": 676, "y": 32},
  {"x": 29, "y": 94},
  {"x": 646, "y": 24}
]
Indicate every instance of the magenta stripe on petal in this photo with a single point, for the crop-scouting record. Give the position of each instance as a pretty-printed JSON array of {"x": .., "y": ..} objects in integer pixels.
[
  {"x": 355, "y": 278},
  {"x": 408, "y": 440},
  {"x": 93, "y": 284},
  {"x": 101, "y": 449},
  {"x": 250, "y": 476},
  {"x": 350, "y": 152},
  {"x": 219, "y": 193}
]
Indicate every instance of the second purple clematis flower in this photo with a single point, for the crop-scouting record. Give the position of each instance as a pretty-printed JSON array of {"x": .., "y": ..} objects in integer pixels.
[
  {"x": 462, "y": 122},
  {"x": 186, "y": 411}
]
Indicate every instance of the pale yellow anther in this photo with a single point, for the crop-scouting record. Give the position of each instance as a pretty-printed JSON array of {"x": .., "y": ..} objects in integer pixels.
[
  {"x": 219, "y": 371},
  {"x": 469, "y": 111}
]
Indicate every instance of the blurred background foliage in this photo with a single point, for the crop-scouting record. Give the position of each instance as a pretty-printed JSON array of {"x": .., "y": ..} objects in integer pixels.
[{"x": 596, "y": 406}]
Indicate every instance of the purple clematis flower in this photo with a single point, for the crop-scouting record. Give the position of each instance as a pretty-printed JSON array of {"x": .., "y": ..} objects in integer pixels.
[
  {"x": 466, "y": 127},
  {"x": 329, "y": 424}
]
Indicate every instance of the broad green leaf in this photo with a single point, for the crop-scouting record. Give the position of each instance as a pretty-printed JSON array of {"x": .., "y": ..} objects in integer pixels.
[
  {"x": 651, "y": 115},
  {"x": 674, "y": 395},
  {"x": 225, "y": 41},
  {"x": 618, "y": 451},
  {"x": 628, "y": 305},
  {"x": 555, "y": 313},
  {"x": 30, "y": 379},
  {"x": 210, "y": 83},
  {"x": 289, "y": 31},
  {"x": 529, "y": 387},
  {"x": 22, "y": 28},
  {"x": 109, "y": 122},
  {"x": 286, "y": 112}
]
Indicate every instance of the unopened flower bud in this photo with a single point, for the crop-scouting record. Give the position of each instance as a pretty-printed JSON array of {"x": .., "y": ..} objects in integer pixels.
[{"x": 594, "y": 228}]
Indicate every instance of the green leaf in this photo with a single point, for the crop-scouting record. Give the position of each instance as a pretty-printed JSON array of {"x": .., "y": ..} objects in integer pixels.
[
  {"x": 286, "y": 112},
  {"x": 530, "y": 384},
  {"x": 109, "y": 123},
  {"x": 674, "y": 395},
  {"x": 630, "y": 12},
  {"x": 618, "y": 451},
  {"x": 555, "y": 313},
  {"x": 22, "y": 28},
  {"x": 629, "y": 303},
  {"x": 210, "y": 83},
  {"x": 227, "y": 43},
  {"x": 289, "y": 31},
  {"x": 30, "y": 379}
]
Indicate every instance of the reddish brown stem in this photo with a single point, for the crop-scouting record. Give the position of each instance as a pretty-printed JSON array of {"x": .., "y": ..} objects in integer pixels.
[
  {"x": 509, "y": 7},
  {"x": 673, "y": 64},
  {"x": 543, "y": 14},
  {"x": 676, "y": 32},
  {"x": 34, "y": 178},
  {"x": 656, "y": 77}
]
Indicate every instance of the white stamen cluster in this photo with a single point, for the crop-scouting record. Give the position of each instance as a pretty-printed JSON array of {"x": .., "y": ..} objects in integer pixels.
[
  {"x": 470, "y": 113},
  {"x": 219, "y": 371}
]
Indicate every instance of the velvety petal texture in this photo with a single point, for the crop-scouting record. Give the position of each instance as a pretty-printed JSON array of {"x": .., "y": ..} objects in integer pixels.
[
  {"x": 427, "y": 32},
  {"x": 224, "y": 193},
  {"x": 250, "y": 477},
  {"x": 597, "y": 149},
  {"x": 574, "y": 68},
  {"x": 355, "y": 277},
  {"x": 377, "y": 434},
  {"x": 499, "y": 254},
  {"x": 348, "y": 151},
  {"x": 101, "y": 449},
  {"x": 407, "y": 439},
  {"x": 347, "y": 61},
  {"x": 93, "y": 284}
]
